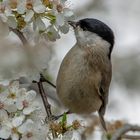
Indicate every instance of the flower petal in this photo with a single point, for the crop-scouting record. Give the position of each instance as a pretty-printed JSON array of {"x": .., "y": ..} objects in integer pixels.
[
  {"x": 68, "y": 12},
  {"x": 21, "y": 92},
  {"x": 21, "y": 7},
  {"x": 5, "y": 132},
  {"x": 64, "y": 29},
  {"x": 30, "y": 95},
  {"x": 3, "y": 115},
  {"x": 14, "y": 86},
  {"x": 34, "y": 106},
  {"x": 8, "y": 11},
  {"x": 29, "y": 15},
  {"x": 15, "y": 136},
  {"x": 10, "y": 107},
  {"x": 17, "y": 121},
  {"x": 11, "y": 21},
  {"x": 28, "y": 110},
  {"x": 60, "y": 19},
  {"x": 40, "y": 24},
  {"x": 52, "y": 33},
  {"x": 25, "y": 127},
  {"x": 39, "y": 7},
  {"x": 19, "y": 104}
]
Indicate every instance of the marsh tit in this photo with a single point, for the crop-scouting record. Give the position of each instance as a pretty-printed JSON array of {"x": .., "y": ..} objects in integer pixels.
[{"x": 85, "y": 73}]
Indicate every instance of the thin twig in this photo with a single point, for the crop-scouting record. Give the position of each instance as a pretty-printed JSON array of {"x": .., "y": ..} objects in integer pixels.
[
  {"x": 120, "y": 133},
  {"x": 50, "y": 83},
  {"x": 42, "y": 79},
  {"x": 59, "y": 116},
  {"x": 45, "y": 100},
  {"x": 47, "y": 81},
  {"x": 47, "y": 106}
]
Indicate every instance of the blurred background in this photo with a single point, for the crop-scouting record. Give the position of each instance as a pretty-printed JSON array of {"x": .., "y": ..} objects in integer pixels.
[{"x": 124, "y": 18}]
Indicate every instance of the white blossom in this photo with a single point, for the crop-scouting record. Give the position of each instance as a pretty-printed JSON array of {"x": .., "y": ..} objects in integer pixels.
[
  {"x": 8, "y": 129},
  {"x": 19, "y": 123},
  {"x": 7, "y": 101},
  {"x": 27, "y": 102},
  {"x": 32, "y": 131},
  {"x": 36, "y": 7},
  {"x": 37, "y": 12}
]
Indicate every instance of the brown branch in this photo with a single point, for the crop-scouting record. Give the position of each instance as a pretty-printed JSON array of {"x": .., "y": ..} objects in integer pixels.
[
  {"x": 45, "y": 100},
  {"x": 47, "y": 106},
  {"x": 131, "y": 137},
  {"x": 120, "y": 133},
  {"x": 20, "y": 35}
]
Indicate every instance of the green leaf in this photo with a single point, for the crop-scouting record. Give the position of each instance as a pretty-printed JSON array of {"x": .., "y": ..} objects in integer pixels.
[
  {"x": 64, "y": 120},
  {"x": 52, "y": 21},
  {"x": 108, "y": 136},
  {"x": 51, "y": 16}
]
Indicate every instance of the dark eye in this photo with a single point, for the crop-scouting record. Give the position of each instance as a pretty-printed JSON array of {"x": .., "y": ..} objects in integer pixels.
[{"x": 84, "y": 28}]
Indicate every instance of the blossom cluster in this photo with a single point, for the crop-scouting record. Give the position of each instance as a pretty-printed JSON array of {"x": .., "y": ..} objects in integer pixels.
[
  {"x": 20, "y": 14},
  {"x": 19, "y": 118}
]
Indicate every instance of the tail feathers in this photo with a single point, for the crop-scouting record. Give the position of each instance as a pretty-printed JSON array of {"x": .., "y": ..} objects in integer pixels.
[{"x": 102, "y": 121}]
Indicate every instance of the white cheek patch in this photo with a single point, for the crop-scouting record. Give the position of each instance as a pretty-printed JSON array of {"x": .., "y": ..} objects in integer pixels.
[
  {"x": 88, "y": 38},
  {"x": 80, "y": 35}
]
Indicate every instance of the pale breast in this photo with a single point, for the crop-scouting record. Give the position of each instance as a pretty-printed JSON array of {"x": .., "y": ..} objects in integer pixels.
[{"x": 78, "y": 82}]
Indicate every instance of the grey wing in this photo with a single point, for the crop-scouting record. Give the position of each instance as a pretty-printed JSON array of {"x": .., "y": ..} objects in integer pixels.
[{"x": 104, "y": 90}]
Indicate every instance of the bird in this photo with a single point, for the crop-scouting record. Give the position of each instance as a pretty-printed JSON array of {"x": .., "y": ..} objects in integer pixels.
[{"x": 85, "y": 73}]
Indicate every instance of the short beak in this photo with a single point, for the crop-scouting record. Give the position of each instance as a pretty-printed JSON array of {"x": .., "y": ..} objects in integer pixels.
[{"x": 73, "y": 24}]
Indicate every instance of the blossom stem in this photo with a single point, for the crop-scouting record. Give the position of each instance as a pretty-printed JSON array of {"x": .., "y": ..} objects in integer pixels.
[{"x": 46, "y": 105}]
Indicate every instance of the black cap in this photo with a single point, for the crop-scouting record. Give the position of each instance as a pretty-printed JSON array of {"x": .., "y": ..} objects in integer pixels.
[{"x": 98, "y": 27}]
